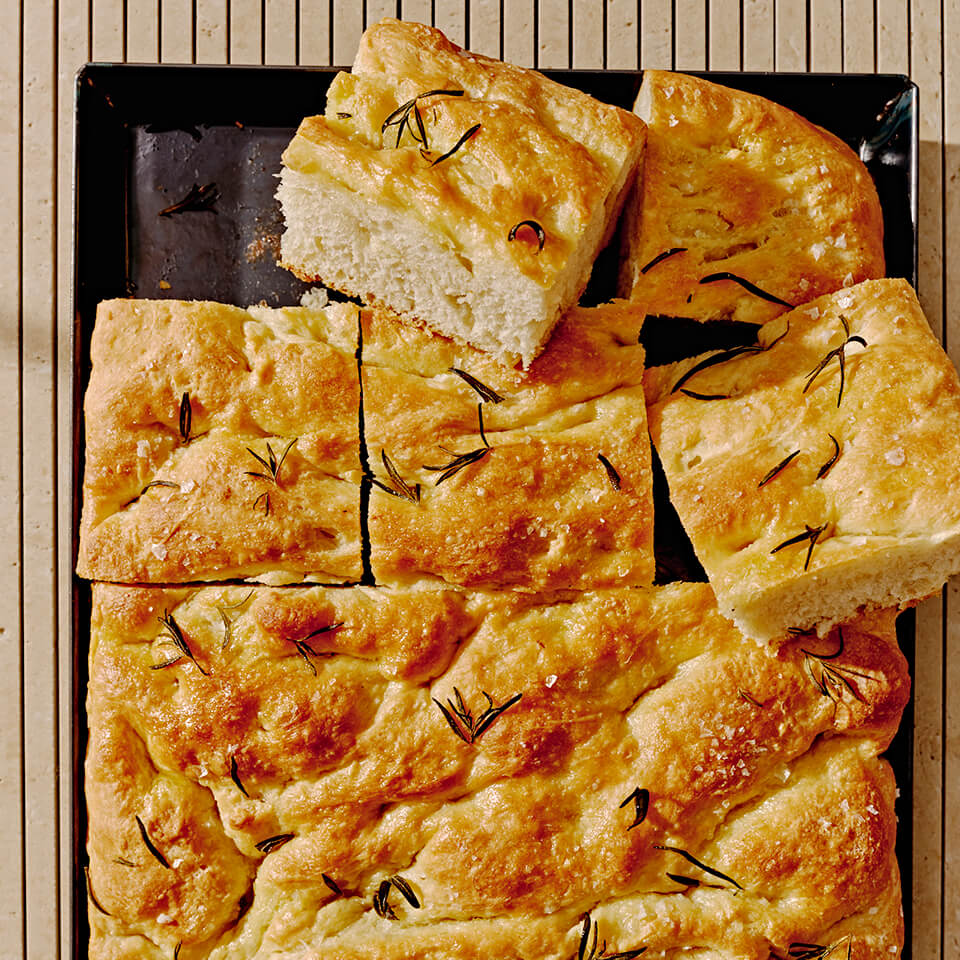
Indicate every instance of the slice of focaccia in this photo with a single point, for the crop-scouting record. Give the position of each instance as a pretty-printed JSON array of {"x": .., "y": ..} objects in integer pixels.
[
  {"x": 221, "y": 443},
  {"x": 817, "y": 474},
  {"x": 468, "y": 193},
  {"x": 363, "y": 773},
  {"x": 744, "y": 208},
  {"x": 486, "y": 475}
]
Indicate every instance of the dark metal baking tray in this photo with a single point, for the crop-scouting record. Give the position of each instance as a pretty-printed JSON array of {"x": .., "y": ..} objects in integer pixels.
[{"x": 146, "y": 134}]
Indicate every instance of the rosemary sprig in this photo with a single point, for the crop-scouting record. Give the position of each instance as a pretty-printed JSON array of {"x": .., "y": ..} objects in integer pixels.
[
  {"x": 92, "y": 895},
  {"x": 150, "y": 845},
  {"x": 461, "y": 460},
  {"x": 272, "y": 464},
  {"x": 177, "y": 639},
  {"x": 660, "y": 257},
  {"x": 186, "y": 417},
  {"x": 810, "y": 534},
  {"x": 641, "y": 803},
  {"x": 463, "y": 139},
  {"x": 530, "y": 225},
  {"x": 461, "y": 719},
  {"x": 828, "y": 466},
  {"x": 235, "y": 776},
  {"x": 611, "y": 471},
  {"x": 332, "y": 884},
  {"x": 747, "y": 285},
  {"x": 833, "y": 679},
  {"x": 274, "y": 843},
  {"x": 697, "y": 863},
  {"x": 398, "y": 487},
  {"x": 197, "y": 198},
  {"x": 306, "y": 651},
  {"x": 840, "y": 354},
  {"x": 229, "y": 621},
  {"x": 401, "y": 116},
  {"x": 591, "y": 948},
  {"x": 724, "y": 355},
  {"x": 485, "y": 393},
  {"x": 778, "y": 468}
]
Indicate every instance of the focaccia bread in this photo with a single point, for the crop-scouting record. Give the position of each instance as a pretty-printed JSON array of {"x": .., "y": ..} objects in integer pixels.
[
  {"x": 736, "y": 184},
  {"x": 554, "y": 492},
  {"x": 221, "y": 443},
  {"x": 321, "y": 773},
  {"x": 471, "y": 194},
  {"x": 820, "y": 474}
]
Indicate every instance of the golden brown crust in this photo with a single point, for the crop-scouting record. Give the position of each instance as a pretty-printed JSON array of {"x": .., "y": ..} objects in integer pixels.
[
  {"x": 889, "y": 504},
  {"x": 538, "y": 510},
  {"x": 507, "y": 841},
  {"x": 747, "y": 187},
  {"x": 163, "y": 507}
]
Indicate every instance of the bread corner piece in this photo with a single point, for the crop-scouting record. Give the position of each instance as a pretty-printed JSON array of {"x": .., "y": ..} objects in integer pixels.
[
  {"x": 735, "y": 184},
  {"x": 469, "y": 193},
  {"x": 309, "y": 796},
  {"x": 817, "y": 473},
  {"x": 221, "y": 443},
  {"x": 486, "y": 475}
]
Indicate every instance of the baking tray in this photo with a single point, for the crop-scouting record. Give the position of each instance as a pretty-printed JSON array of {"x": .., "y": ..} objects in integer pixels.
[{"x": 146, "y": 134}]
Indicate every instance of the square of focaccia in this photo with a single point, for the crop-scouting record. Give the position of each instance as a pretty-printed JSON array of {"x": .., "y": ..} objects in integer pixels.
[
  {"x": 469, "y": 193},
  {"x": 736, "y": 184},
  {"x": 338, "y": 774},
  {"x": 221, "y": 443},
  {"x": 555, "y": 490},
  {"x": 810, "y": 487}
]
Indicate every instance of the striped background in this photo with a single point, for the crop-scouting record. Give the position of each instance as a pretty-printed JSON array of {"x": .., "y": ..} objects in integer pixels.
[{"x": 43, "y": 42}]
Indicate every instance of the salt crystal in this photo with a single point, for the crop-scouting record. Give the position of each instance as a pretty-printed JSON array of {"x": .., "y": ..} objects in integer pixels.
[
  {"x": 158, "y": 550},
  {"x": 824, "y": 169},
  {"x": 551, "y": 680},
  {"x": 143, "y": 448},
  {"x": 817, "y": 250},
  {"x": 841, "y": 241},
  {"x": 848, "y": 279},
  {"x": 673, "y": 121},
  {"x": 896, "y": 458},
  {"x": 164, "y": 918},
  {"x": 187, "y": 486}
]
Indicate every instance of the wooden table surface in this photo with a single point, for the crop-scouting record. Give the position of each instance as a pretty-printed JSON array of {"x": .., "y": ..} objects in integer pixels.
[{"x": 42, "y": 43}]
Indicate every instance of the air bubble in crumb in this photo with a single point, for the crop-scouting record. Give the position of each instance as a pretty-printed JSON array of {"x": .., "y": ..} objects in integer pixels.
[{"x": 315, "y": 298}]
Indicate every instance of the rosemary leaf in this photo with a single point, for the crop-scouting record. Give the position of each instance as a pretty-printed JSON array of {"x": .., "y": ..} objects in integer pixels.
[
  {"x": 398, "y": 486},
  {"x": 485, "y": 392},
  {"x": 235, "y": 776},
  {"x": 530, "y": 225},
  {"x": 704, "y": 396},
  {"x": 381, "y": 904},
  {"x": 828, "y": 466},
  {"x": 332, "y": 884},
  {"x": 149, "y": 844},
  {"x": 197, "y": 198},
  {"x": 660, "y": 257},
  {"x": 186, "y": 417},
  {"x": 92, "y": 895},
  {"x": 641, "y": 801},
  {"x": 778, "y": 468},
  {"x": 463, "y": 139},
  {"x": 274, "y": 843},
  {"x": 692, "y": 859},
  {"x": 406, "y": 891},
  {"x": 747, "y": 285},
  {"x": 746, "y": 695},
  {"x": 686, "y": 881},
  {"x": 159, "y": 483},
  {"x": 611, "y": 471}
]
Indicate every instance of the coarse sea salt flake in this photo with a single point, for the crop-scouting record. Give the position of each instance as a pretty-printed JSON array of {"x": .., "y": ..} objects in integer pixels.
[
  {"x": 188, "y": 486},
  {"x": 158, "y": 550},
  {"x": 895, "y": 457},
  {"x": 551, "y": 680},
  {"x": 164, "y": 918},
  {"x": 817, "y": 250},
  {"x": 143, "y": 448}
]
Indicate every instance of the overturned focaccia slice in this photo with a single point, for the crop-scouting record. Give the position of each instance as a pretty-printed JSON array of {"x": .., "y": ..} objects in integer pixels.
[
  {"x": 735, "y": 186},
  {"x": 471, "y": 194},
  {"x": 817, "y": 475},
  {"x": 489, "y": 476},
  {"x": 221, "y": 443},
  {"x": 364, "y": 773}
]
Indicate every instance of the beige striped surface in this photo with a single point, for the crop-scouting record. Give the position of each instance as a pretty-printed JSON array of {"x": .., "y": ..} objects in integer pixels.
[{"x": 41, "y": 46}]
